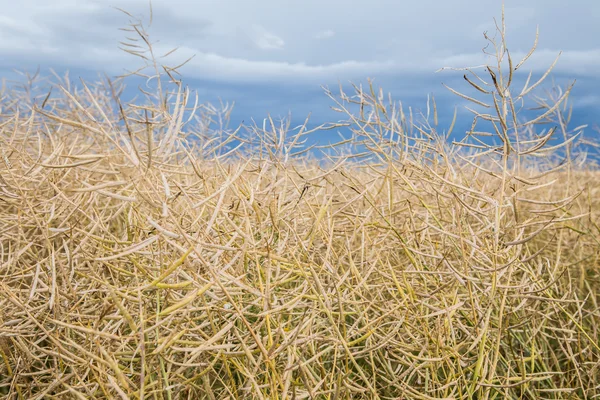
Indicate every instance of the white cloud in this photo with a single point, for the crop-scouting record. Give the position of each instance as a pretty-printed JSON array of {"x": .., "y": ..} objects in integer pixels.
[
  {"x": 266, "y": 40},
  {"x": 9, "y": 24},
  {"x": 231, "y": 69},
  {"x": 569, "y": 61},
  {"x": 326, "y": 34}
]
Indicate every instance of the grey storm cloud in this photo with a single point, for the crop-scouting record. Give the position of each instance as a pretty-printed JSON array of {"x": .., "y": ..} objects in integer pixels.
[
  {"x": 273, "y": 55},
  {"x": 243, "y": 41}
]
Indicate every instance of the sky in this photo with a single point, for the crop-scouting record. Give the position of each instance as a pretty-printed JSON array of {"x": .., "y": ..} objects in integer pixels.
[{"x": 271, "y": 57}]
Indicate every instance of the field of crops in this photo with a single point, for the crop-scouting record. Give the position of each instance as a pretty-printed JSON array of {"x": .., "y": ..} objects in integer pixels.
[{"x": 145, "y": 256}]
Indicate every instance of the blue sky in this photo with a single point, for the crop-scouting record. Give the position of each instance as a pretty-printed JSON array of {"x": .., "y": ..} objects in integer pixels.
[{"x": 272, "y": 56}]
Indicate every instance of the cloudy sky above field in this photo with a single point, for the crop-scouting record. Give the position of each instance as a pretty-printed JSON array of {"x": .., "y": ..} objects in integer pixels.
[{"x": 273, "y": 56}]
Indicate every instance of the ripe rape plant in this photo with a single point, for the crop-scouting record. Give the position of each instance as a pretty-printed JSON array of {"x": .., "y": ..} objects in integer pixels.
[{"x": 148, "y": 251}]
